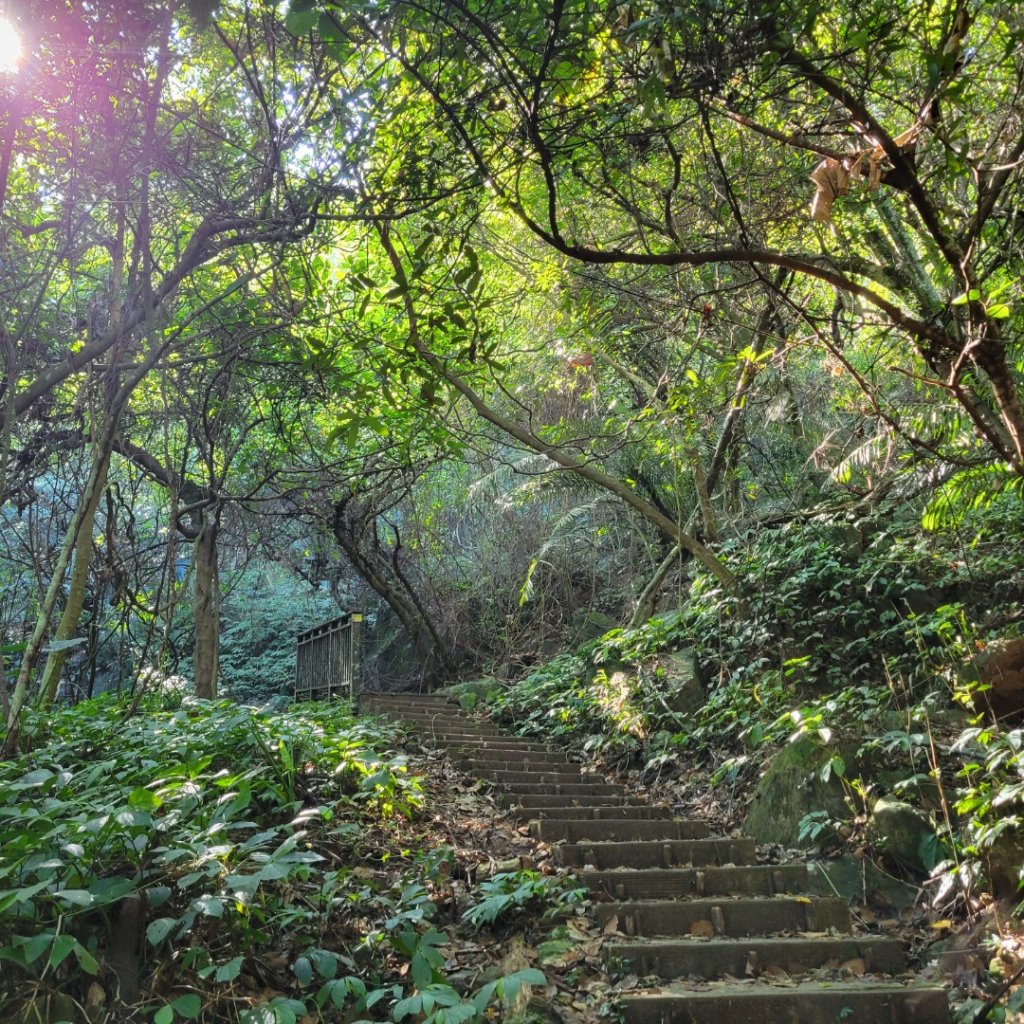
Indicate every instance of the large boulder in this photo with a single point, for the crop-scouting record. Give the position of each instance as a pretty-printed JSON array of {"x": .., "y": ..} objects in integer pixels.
[
  {"x": 679, "y": 681},
  {"x": 860, "y": 880},
  {"x": 1003, "y": 861},
  {"x": 589, "y": 624},
  {"x": 794, "y": 785},
  {"x": 999, "y": 665},
  {"x": 903, "y": 835}
]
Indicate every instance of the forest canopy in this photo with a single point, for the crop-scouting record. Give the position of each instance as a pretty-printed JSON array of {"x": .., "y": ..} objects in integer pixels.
[{"x": 392, "y": 305}]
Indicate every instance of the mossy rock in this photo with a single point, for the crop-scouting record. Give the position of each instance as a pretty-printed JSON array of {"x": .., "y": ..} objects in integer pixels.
[
  {"x": 794, "y": 785},
  {"x": 472, "y": 692},
  {"x": 589, "y": 624},
  {"x": 861, "y": 881},
  {"x": 1003, "y": 861},
  {"x": 903, "y": 835},
  {"x": 679, "y": 681}
]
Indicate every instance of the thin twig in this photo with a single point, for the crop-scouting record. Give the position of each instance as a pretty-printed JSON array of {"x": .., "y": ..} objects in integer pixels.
[{"x": 990, "y": 1004}]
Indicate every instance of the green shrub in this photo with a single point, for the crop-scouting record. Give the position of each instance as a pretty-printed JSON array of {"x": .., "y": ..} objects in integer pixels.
[{"x": 207, "y": 813}]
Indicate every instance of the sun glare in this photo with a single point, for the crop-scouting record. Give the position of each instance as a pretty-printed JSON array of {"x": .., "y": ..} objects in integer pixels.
[{"x": 10, "y": 46}]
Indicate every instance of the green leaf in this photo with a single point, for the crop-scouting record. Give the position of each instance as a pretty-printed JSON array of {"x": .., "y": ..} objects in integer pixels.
[
  {"x": 406, "y": 1007},
  {"x": 144, "y": 799},
  {"x": 63, "y": 946},
  {"x": 230, "y": 970},
  {"x": 109, "y": 890},
  {"x": 158, "y": 895},
  {"x": 33, "y": 779},
  {"x": 300, "y": 22},
  {"x": 13, "y": 896},
  {"x": 188, "y": 1006},
  {"x": 159, "y": 929},
  {"x": 421, "y": 971},
  {"x": 86, "y": 960},
  {"x": 76, "y": 897},
  {"x": 326, "y": 963},
  {"x": 35, "y": 946},
  {"x": 56, "y": 646},
  {"x": 303, "y": 970},
  {"x": 509, "y": 986},
  {"x": 165, "y": 1015},
  {"x": 209, "y": 906}
]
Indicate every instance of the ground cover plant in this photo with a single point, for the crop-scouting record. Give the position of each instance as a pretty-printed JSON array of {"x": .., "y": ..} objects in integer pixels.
[
  {"x": 860, "y": 636},
  {"x": 208, "y": 861}
]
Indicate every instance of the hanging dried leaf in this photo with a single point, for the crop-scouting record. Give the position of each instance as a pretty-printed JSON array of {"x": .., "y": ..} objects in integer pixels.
[{"x": 832, "y": 179}]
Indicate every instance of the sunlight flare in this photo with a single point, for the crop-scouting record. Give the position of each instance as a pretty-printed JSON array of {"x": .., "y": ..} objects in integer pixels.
[{"x": 10, "y": 46}]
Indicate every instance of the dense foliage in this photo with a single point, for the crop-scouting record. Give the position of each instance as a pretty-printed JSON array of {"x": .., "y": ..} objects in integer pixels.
[
  {"x": 860, "y": 638},
  {"x": 554, "y": 338},
  {"x": 223, "y": 864}
]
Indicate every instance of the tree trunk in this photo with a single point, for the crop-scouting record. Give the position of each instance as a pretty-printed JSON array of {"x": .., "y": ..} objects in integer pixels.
[
  {"x": 68, "y": 624},
  {"x": 206, "y": 608},
  {"x": 434, "y": 658},
  {"x": 34, "y": 645}
]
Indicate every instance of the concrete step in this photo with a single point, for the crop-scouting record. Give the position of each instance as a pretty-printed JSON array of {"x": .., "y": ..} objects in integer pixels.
[
  {"x": 524, "y": 760},
  {"x": 446, "y": 727},
  {"x": 553, "y": 830},
  {"x": 518, "y": 761},
  {"x": 858, "y": 1002},
  {"x": 674, "y": 853},
  {"x": 426, "y": 730},
  {"x": 422, "y": 706},
  {"x": 725, "y": 916},
  {"x": 514, "y": 776},
  {"x": 416, "y": 699},
  {"x": 738, "y": 958},
  {"x": 674, "y": 883},
  {"x": 396, "y": 707},
  {"x": 581, "y": 790},
  {"x": 492, "y": 748},
  {"x": 598, "y": 812},
  {"x": 524, "y": 805},
  {"x": 440, "y": 717},
  {"x": 500, "y": 758},
  {"x": 447, "y": 739}
]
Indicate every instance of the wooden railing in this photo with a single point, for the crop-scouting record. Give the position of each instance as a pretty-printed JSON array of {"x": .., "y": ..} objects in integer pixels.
[{"x": 327, "y": 659}]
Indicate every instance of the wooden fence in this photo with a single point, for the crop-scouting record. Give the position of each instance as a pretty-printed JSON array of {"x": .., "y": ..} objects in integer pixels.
[{"x": 327, "y": 659}]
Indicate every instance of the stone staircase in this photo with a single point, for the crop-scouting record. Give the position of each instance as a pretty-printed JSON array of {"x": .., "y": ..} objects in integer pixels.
[{"x": 728, "y": 940}]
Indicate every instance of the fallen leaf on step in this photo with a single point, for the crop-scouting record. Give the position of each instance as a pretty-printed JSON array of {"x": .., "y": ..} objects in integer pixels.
[
  {"x": 857, "y": 967},
  {"x": 612, "y": 927},
  {"x": 703, "y": 929}
]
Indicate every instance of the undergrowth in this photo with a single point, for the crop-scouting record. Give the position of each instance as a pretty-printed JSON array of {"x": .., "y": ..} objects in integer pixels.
[
  {"x": 201, "y": 861},
  {"x": 858, "y": 636}
]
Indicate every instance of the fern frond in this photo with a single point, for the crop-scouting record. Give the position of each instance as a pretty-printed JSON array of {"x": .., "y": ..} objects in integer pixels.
[
  {"x": 874, "y": 450},
  {"x": 517, "y": 482},
  {"x": 968, "y": 491}
]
